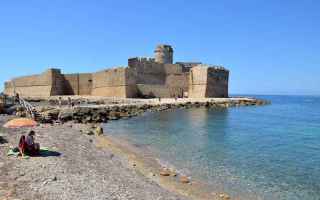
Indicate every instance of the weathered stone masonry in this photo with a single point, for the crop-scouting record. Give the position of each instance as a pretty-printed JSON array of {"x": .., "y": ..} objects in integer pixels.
[{"x": 143, "y": 77}]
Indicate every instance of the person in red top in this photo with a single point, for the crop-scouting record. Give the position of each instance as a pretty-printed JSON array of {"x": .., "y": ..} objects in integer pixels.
[
  {"x": 22, "y": 145},
  {"x": 32, "y": 148}
]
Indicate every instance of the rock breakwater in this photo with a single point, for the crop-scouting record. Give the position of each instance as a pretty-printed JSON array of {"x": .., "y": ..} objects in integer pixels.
[{"x": 103, "y": 113}]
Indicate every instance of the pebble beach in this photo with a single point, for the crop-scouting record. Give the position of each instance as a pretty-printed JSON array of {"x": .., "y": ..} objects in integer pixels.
[
  {"x": 83, "y": 165},
  {"x": 79, "y": 169}
]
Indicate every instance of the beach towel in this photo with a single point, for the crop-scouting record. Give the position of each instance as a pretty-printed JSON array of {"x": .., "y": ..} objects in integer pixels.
[
  {"x": 14, "y": 152},
  {"x": 44, "y": 148}
]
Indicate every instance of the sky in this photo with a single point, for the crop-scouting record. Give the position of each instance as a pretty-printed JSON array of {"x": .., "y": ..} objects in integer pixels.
[{"x": 269, "y": 46}]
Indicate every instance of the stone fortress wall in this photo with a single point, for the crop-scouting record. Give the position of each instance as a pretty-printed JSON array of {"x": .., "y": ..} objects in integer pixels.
[
  {"x": 206, "y": 81},
  {"x": 35, "y": 85},
  {"x": 50, "y": 83},
  {"x": 154, "y": 79},
  {"x": 117, "y": 82},
  {"x": 144, "y": 77},
  {"x": 77, "y": 84}
]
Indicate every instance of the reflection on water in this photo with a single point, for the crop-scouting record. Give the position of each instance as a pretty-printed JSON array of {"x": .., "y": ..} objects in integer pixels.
[{"x": 271, "y": 151}]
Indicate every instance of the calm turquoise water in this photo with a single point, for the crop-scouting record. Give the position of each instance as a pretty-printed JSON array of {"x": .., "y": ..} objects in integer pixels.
[{"x": 263, "y": 152}]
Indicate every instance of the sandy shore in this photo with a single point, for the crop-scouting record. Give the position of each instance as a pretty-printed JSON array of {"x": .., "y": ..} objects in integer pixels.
[{"x": 79, "y": 167}]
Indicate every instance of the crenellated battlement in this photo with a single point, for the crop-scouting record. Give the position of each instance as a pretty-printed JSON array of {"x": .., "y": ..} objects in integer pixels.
[
  {"x": 214, "y": 67},
  {"x": 132, "y": 62}
]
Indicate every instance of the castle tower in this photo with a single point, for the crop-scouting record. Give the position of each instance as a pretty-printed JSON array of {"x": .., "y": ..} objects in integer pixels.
[{"x": 163, "y": 54}]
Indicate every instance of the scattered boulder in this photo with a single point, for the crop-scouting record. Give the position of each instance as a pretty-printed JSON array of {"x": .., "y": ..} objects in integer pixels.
[
  {"x": 224, "y": 196},
  {"x": 89, "y": 132},
  {"x": 65, "y": 115},
  {"x": 98, "y": 131},
  {"x": 54, "y": 178},
  {"x": 49, "y": 116},
  {"x": 184, "y": 179},
  {"x": 114, "y": 115},
  {"x": 87, "y": 119},
  {"x": 164, "y": 172},
  {"x": 124, "y": 114},
  {"x": 174, "y": 174}
]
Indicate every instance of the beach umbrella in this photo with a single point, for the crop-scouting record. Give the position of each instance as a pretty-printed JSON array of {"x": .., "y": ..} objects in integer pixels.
[{"x": 20, "y": 122}]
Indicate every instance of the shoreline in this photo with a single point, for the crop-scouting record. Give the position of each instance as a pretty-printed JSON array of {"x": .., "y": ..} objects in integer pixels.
[
  {"x": 150, "y": 166},
  {"x": 68, "y": 134},
  {"x": 128, "y": 156}
]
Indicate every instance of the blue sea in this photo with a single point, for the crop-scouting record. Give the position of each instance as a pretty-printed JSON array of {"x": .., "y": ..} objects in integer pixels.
[{"x": 254, "y": 152}]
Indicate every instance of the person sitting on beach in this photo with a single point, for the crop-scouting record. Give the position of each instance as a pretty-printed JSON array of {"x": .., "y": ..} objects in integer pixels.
[{"x": 32, "y": 148}]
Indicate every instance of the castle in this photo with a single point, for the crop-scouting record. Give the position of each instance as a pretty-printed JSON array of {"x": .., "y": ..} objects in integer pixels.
[{"x": 144, "y": 77}]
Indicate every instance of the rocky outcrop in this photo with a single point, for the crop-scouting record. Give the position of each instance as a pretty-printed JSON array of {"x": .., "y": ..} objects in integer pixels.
[{"x": 104, "y": 113}]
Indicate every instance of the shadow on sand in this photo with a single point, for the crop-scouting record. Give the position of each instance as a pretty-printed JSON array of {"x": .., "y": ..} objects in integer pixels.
[{"x": 47, "y": 153}]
